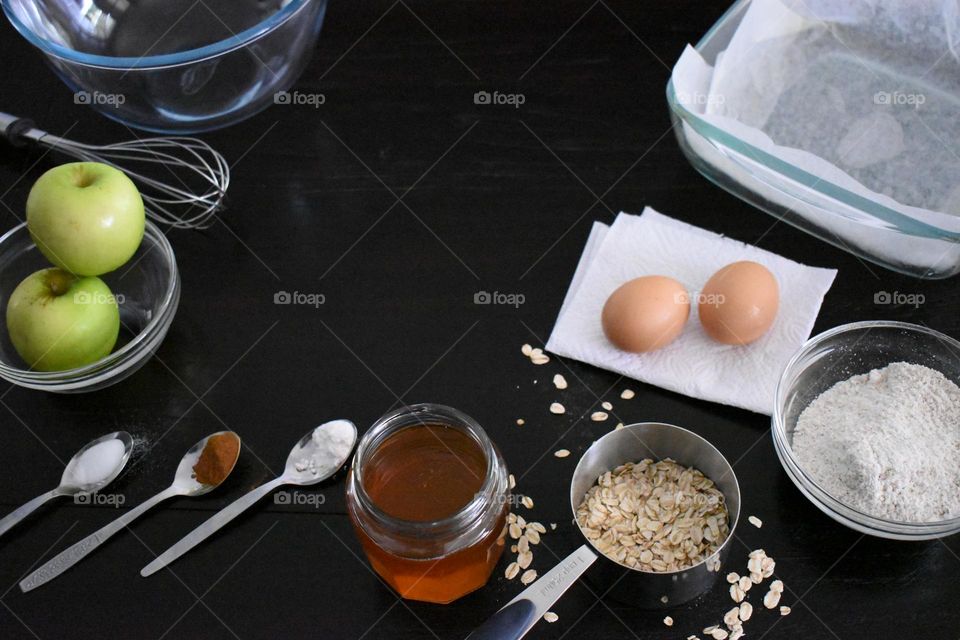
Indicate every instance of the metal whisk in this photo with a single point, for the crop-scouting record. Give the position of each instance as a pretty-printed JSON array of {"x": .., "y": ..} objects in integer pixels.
[{"x": 170, "y": 197}]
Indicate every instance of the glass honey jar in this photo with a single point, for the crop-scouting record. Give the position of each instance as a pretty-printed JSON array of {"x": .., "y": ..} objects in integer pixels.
[{"x": 428, "y": 497}]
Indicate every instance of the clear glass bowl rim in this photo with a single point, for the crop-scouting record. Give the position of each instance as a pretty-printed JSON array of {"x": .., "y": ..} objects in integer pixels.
[
  {"x": 164, "y": 60},
  {"x": 712, "y": 134},
  {"x": 807, "y": 485},
  {"x": 131, "y": 350}
]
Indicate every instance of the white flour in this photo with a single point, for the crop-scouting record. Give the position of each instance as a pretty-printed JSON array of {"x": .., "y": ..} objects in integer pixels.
[{"x": 886, "y": 443}]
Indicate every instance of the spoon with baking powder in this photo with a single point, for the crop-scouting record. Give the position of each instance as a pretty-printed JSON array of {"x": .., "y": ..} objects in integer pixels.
[
  {"x": 92, "y": 468},
  {"x": 203, "y": 468},
  {"x": 317, "y": 456}
]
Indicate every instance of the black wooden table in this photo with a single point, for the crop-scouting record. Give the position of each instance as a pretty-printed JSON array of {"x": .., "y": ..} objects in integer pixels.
[{"x": 399, "y": 199}]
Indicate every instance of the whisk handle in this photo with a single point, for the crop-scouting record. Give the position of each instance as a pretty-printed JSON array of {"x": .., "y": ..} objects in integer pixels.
[{"x": 14, "y": 129}]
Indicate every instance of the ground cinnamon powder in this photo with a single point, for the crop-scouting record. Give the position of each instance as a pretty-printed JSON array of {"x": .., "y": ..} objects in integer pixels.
[{"x": 217, "y": 459}]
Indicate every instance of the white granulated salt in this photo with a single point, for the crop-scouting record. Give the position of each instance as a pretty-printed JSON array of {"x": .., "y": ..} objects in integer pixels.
[{"x": 886, "y": 443}]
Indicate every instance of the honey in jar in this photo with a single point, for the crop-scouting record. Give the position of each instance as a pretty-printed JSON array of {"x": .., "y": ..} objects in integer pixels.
[{"x": 428, "y": 499}]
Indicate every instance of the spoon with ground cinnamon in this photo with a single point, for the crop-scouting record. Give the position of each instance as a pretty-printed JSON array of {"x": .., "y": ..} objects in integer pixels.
[{"x": 204, "y": 467}]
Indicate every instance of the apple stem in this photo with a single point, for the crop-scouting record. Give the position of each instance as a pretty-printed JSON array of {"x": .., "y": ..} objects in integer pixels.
[{"x": 59, "y": 281}]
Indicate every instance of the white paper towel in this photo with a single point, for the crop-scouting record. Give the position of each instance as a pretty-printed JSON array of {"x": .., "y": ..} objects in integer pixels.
[{"x": 694, "y": 364}]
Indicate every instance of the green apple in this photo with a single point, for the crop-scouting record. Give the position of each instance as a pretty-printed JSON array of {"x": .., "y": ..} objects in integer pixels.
[
  {"x": 58, "y": 321},
  {"x": 85, "y": 217}
]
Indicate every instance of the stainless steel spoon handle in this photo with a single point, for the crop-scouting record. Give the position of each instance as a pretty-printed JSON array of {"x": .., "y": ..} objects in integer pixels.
[
  {"x": 22, "y": 512},
  {"x": 518, "y": 616},
  {"x": 210, "y": 527},
  {"x": 74, "y": 554}
]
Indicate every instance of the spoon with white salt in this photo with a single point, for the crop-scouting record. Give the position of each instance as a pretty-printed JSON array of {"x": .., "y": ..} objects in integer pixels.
[
  {"x": 92, "y": 468},
  {"x": 317, "y": 456},
  {"x": 220, "y": 451}
]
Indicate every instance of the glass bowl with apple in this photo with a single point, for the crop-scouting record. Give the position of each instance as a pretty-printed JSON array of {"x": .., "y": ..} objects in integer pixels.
[{"x": 143, "y": 283}]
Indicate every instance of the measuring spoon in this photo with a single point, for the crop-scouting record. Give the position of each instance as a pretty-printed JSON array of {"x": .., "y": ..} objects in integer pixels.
[
  {"x": 184, "y": 484},
  {"x": 317, "y": 456},
  {"x": 71, "y": 483}
]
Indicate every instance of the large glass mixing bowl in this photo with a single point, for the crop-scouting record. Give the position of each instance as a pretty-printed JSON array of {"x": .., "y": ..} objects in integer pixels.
[{"x": 173, "y": 65}]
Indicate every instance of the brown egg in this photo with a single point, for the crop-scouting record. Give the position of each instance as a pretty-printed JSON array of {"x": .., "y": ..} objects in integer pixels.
[
  {"x": 645, "y": 313},
  {"x": 739, "y": 303}
]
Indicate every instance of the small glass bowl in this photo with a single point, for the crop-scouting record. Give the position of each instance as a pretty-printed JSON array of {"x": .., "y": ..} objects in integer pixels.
[
  {"x": 836, "y": 355},
  {"x": 147, "y": 289}
]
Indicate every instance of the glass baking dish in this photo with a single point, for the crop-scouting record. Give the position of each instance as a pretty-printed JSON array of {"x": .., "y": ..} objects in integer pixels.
[{"x": 861, "y": 225}]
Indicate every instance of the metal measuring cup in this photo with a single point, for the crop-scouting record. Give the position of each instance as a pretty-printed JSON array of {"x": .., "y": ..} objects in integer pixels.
[
  {"x": 655, "y": 440},
  {"x": 643, "y": 589}
]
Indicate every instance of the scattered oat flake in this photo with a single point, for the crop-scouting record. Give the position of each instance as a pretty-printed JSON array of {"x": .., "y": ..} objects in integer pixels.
[
  {"x": 524, "y": 559},
  {"x": 537, "y": 356},
  {"x": 536, "y": 526},
  {"x": 627, "y": 394},
  {"x": 777, "y": 586},
  {"x": 719, "y": 634},
  {"x": 528, "y": 576},
  {"x": 692, "y": 638},
  {"x": 557, "y": 408},
  {"x": 733, "y": 577},
  {"x": 515, "y": 530},
  {"x": 736, "y": 593},
  {"x": 520, "y": 422},
  {"x": 559, "y": 381},
  {"x": 553, "y": 526},
  {"x": 771, "y": 599},
  {"x": 746, "y": 610},
  {"x": 561, "y": 453},
  {"x": 785, "y": 611},
  {"x": 512, "y": 570},
  {"x": 607, "y": 406},
  {"x": 668, "y": 621},
  {"x": 527, "y": 501},
  {"x": 599, "y": 416},
  {"x": 526, "y": 350},
  {"x": 745, "y": 583},
  {"x": 755, "y": 521},
  {"x": 512, "y": 481},
  {"x": 619, "y": 426},
  {"x": 550, "y": 616},
  {"x": 732, "y": 618}
]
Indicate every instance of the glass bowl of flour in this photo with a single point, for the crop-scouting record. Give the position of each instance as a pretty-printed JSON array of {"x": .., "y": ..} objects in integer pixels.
[{"x": 867, "y": 425}]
